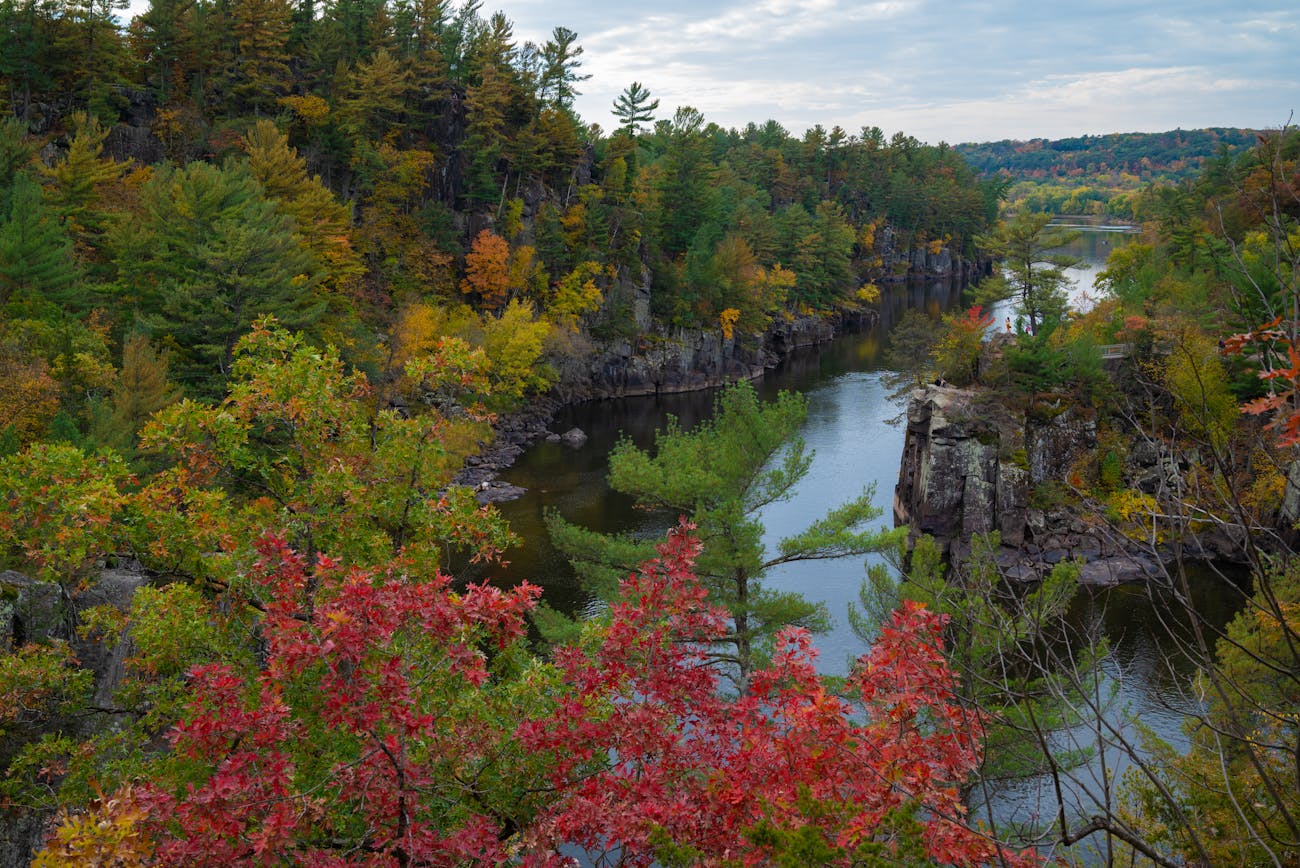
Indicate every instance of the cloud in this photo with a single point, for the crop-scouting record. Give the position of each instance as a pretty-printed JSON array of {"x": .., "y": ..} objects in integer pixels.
[
  {"x": 956, "y": 70},
  {"x": 1127, "y": 100}
]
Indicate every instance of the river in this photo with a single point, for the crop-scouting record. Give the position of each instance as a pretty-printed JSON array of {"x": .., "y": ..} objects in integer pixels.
[{"x": 856, "y": 447}]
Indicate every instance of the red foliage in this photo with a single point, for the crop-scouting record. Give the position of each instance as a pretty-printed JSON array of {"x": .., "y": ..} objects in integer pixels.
[
  {"x": 1283, "y": 400},
  {"x": 702, "y": 770},
  {"x": 644, "y": 750},
  {"x": 334, "y": 642},
  {"x": 975, "y": 319}
]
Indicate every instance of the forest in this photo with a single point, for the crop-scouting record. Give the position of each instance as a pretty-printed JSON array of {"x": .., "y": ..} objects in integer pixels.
[
  {"x": 270, "y": 273},
  {"x": 1102, "y": 174}
]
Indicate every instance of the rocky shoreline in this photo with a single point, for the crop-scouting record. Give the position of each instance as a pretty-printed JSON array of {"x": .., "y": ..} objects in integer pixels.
[
  {"x": 682, "y": 361},
  {"x": 972, "y": 465}
]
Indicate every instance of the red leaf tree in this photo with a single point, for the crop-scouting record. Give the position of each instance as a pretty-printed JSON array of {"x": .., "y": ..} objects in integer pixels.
[
  {"x": 344, "y": 750},
  {"x": 785, "y": 769}
]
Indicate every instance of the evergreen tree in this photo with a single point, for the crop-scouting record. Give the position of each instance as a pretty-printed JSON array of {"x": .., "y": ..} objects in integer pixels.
[
  {"x": 258, "y": 72},
  {"x": 320, "y": 220},
  {"x": 209, "y": 255},
  {"x": 720, "y": 476},
  {"x": 560, "y": 59},
  {"x": 35, "y": 251},
  {"x": 488, "y": 104},
  {"x": 26, "y": 50},
  {"x": 687, "y": 196},
  {"x": 142, "y": 389},
  {"x": 96, "y": 55},
  {"x": 79, "y": 180},
  {"x": 376, "y": 95},
  {"x": 164, "y": 43},
  {"x": 635, "y": 108},
  {"x": 1031, "y": 273}
]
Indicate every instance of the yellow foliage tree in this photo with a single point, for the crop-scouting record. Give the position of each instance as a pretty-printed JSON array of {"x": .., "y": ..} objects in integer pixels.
[
  {"x": 526, "y": 277},
  {"x": 727, "y": 320},
  {"x": 1195, "y": 376},
  {"x": 577, "y": 294},
  {"x": 514, "y": 343},
  {"x": 29, "y": 396}
]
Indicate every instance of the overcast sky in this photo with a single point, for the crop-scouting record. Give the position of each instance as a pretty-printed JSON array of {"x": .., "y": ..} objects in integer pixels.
[{"x": 940, "y": 70}]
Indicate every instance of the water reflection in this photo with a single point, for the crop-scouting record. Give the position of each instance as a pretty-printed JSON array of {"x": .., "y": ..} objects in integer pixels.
[
  {"x": 854, "y": 448},
  {"x": 1147, "y": 630}
]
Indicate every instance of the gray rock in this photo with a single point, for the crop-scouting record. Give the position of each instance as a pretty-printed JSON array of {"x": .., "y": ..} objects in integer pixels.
[
  {"x": 1054, "y": 556},
  {"x": 30, "y": 610},
  {"x": 498, "y": 492},
  {"x": 1089, "y": 548},
  {"x": 1118, "y": 570},
  {"x": 574, "y": 437},
  {"x": 553, "y": 438},
  {"x": 1021, "y": 573}
]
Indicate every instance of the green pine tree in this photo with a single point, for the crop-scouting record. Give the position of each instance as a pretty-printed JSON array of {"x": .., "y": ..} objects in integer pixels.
[
  {"x": 35, "y": 252},
  {"x": 719, "y": 476},
  {"x": 1031, "y": 273},
  {"x": 209, "y": 255}
]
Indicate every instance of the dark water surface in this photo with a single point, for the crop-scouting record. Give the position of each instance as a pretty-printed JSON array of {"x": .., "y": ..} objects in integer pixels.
[
  {"x": 846, "y": 429},
  {"x": 1147, "y": 675}
]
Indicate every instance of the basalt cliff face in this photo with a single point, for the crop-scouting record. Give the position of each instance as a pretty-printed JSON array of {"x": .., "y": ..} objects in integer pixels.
[{"x": 971, "y": 465}]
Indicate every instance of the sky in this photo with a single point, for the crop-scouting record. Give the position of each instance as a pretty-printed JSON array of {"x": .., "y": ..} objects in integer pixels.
[
  {"x": 953, "y": 71},
  {"x": 939, "y": 70}
]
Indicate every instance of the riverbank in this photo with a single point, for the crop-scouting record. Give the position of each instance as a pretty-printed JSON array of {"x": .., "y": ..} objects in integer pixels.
[{"x": 685, "y": 360}]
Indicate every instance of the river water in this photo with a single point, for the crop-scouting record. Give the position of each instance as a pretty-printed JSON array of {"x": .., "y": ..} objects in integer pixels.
[{"x": 856, "y": 447}]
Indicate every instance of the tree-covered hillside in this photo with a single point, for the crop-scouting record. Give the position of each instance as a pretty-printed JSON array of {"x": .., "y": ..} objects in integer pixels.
[
  {"x": 369, "y": 171},
  {"x": 1100, "y": 174}
]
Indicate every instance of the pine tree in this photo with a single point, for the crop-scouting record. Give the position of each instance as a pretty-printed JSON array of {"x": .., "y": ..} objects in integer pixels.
[
  {"x": 487, "y": 105},
  {"x": 258, "y": 72},
  {"x": 79, "y": 179},
  {"x": 322, "y": 222},
  {"x": 142, "y": 389},
  {"x": 166, "y": 45},
  {"x": 209, "y": 255},
  {"x": 96, "y": 54},
  {"x": 719, "y": 476},
  {"x": 561, "y": 59},
  {"x": 1031, "y": 273},
  {"x": 376, "y": 96},
  {"x": 35, "y": 251},
  {"x": 635, "y": 108}
]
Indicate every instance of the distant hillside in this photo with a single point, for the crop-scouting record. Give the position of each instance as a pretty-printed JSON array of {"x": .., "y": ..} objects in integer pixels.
[
  {"x": 1098, "y": 174},
  {"x": 1177, "y": 153}
]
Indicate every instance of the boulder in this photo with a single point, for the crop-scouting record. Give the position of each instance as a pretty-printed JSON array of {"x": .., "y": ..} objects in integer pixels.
[
  {"x": 1119, "y": 570},
  {"x": 574, "y": 437},
  {"x": 497, "y": 491}
]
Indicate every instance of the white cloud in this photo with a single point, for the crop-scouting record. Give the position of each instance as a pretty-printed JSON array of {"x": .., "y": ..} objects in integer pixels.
[{"x": 956, "y": 70}]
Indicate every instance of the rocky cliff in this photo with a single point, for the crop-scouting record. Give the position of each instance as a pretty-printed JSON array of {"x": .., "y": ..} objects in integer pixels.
[
  {"x": 37, "y": 611},
  {"x": 972, "y": 465}
]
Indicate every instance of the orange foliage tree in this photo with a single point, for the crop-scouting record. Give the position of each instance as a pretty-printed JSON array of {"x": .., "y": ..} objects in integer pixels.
[{"x": 487, "y": 270}]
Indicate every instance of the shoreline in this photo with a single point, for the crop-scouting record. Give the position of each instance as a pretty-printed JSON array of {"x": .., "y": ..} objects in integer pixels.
[{"x": 514, "y": 432}]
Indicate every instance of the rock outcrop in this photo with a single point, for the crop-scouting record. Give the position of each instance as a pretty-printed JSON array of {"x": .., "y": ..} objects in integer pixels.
[
  {"x": 33, "y": 611},
  {"x": 970, "y": 466}
]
